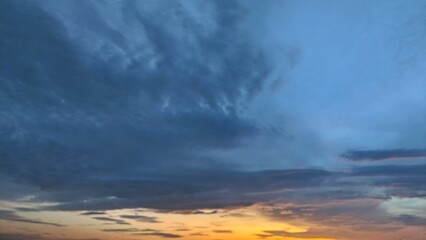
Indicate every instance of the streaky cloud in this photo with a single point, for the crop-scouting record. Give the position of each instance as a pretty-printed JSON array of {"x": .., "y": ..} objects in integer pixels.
[
  {"x": 383, "y": 155},
  {"x": 12, "y": 216},
  {"x": 113, "y": 220}
]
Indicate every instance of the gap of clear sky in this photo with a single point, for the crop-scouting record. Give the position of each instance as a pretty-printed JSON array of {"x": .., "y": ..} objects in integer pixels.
[{"x": 207, "y": 120}]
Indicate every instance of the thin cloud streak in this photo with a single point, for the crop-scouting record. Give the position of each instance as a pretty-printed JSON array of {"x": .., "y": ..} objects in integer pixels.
[{"x": 383, "y": 155}]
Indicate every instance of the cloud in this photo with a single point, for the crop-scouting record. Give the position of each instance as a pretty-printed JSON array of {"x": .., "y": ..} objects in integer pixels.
[
  {"x": 198, "y": 234},
  {"x": 389, "y": 170},
  {"x": 128, "y": 230},
  {"x": 92, "y": 213},
  {"x": 301, "y": 235},
  {"x": 182, "y": 229},
  {"x": 364, "y": 213},
  {"x": 93, "y": 111},
  {"x": 11, "y": 216},
  {"x": 198, "y": 212},
  {"x": 261, "y": 235},
  {"x": 411, "y": 220},
  {"x": 20, "y": 236},
  {"x": 402, "y": 181},
  {"x": 177, "y": 191},
  {"x": 141, "y": 218},
  {"x": 159, "y": 234},
  {"x": 222, "y": 231},
  {"x": 26, "y": 209},
  {"x": 146, "y": 92},
  {"x": 383, "y": 155},
  {"x": 113, "y": 220}
]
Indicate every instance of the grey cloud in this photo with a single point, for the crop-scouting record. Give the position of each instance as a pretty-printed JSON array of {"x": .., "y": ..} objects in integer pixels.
[
  {"x": 308, "y": 235},
  {"x": 159, "y": 234},
  {"x": 72, "y": 116},
  {"x": 390, "y": 170},
  {"x": 12, "y": 216},
  {"x": 20, "y": 236},
  {"x": 177, "y": 192},
  {"x": 411, "y": 220},
  {"x": 197, "y": 212},
  {"x": 182, "y": 229},
  {"x": 198, "y": 234},
  {"x": 382, "y": 155},
  {"x": 357, "y": 213},
  {"x": 128, "y": 230},
  {"x": 402, "y": 181},
  {"x": 26, "y": 209},
  {"x": 113, "y": 220},
  {"x": 223, "y": 231},
  {"x": 260, "y": 235},
  {"x": 213, "y": 189},
  {"x": 12, "y": 189},
  {"x": 92, "y": 213},
  {"x": 141, "y": 218}
]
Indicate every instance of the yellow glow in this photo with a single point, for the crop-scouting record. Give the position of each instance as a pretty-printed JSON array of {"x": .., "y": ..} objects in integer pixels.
[{"x": 247, "y": 223}]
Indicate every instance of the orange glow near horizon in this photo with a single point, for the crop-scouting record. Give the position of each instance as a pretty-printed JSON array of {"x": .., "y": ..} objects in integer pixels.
[{"x": 233, "y": 224}]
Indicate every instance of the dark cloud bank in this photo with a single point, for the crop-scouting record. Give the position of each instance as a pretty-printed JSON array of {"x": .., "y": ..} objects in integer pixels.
[{"x": 71, "y": 117}]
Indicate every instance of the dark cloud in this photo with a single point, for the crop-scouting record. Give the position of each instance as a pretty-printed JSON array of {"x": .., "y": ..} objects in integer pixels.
[
  {"x": 159, "y": 234},
  {"x": 261, "y": 235},
  {"x": 182, "y": 229},
  {"x": 77, "y": 115},
  {"x": 382, "y": 155},
  {"x": 113, "y": 220},
  {"x": 223, "y": 231},
  {"x": 270, "y": 233},
  {"x": 12, "y": 189},
  {"x": 92, "y": 213},
  {"x": 71, "y": 113},
  {"x": 390, "y": 170},
  {"x": 141, "y": 218},
  {"x": 12, "y": 216},
  {"x": 178, "y": 191},
  {"x": 128, "y": 230},
  {"x": 121, "y": 230},
  {"x": 411, "y": 220},
  {"x": 198, "y": 234},
  {"x": 196, "y": 212},
  {"x": 26, "y": 209},
  {"x": 401, "y": 181},
  {"x": 20, "y": 236}
]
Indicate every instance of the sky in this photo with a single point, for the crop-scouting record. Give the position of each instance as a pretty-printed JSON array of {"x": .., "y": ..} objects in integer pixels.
[{"x": 212, "y": 120}]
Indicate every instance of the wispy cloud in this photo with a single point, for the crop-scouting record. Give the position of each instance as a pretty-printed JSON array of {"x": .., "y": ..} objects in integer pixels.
[
  {"x": 382, "y": 155},
  {"x": 113, "y": 220},
  {"x": 159, "y": 234},
  {"x": 89, "y": 213},
  {"x": 222, "y": 231},
  {"x": 12, "y": 216},
  {"x": 411, "y": 220},
  {"x": 141, "y": 218}
]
